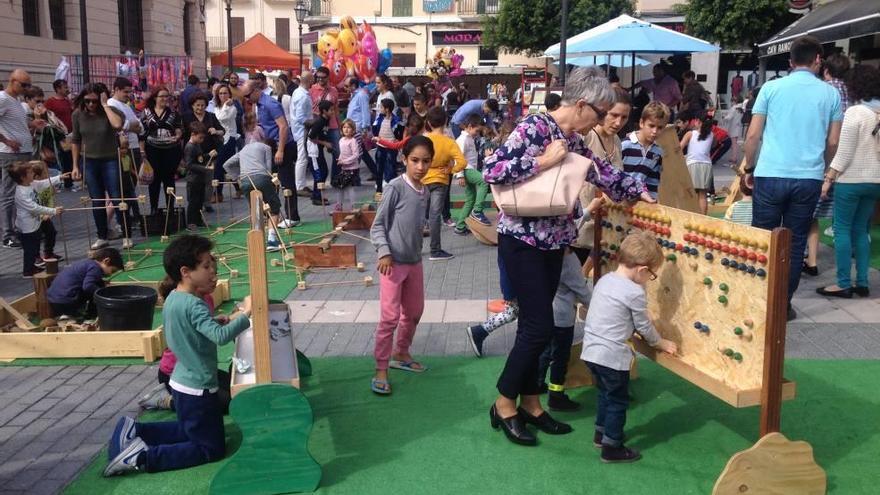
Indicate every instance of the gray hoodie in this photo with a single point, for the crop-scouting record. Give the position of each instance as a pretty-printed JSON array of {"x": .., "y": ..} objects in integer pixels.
[
  {"x": 397, "y": 228},
  {"x": 254, "y": 159}
]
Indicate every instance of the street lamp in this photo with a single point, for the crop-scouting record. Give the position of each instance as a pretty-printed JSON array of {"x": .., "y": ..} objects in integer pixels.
[
  {"x": 229, "y": 35},
  {"x": 301, "y": 10}
]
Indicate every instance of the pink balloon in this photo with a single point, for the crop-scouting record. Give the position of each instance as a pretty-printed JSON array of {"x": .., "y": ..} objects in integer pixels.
[{"x": 370, "y": 48}]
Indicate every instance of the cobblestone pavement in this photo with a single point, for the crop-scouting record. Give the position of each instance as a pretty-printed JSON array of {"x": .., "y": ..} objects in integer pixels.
[{"x": 55, "y": 419}]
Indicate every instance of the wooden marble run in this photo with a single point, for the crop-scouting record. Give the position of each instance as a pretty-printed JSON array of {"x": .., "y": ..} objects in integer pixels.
[{"x": 715, "y": 296}]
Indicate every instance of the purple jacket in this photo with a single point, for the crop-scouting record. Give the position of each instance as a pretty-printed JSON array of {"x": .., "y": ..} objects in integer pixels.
[{"x": 77, "y": 282}]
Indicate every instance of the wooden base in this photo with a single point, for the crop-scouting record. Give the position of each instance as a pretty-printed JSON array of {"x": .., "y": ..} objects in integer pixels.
[
  {"x": 285, "y": 368},
  {"x": 773, "y": 465},
  {"x": 314, "y": 255},
  {"x": 733, "y": 396},
  {"x": 148, "y": 344},
  {"x": 486, "y": 234},
  {"x": 360, "y": 219}
]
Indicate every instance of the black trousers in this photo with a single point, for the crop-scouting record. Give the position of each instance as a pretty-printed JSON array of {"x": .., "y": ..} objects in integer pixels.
[
  {"x": 30, "y": 250},
  {"x": 555, "y": 356},
  {"x": 287, "y": 177},
  {"x": 195, "y": 199},
  {"x": 49, "y": 234},
  {"x": 164, "y": 162},
  {"x": 534, "y": 275}
]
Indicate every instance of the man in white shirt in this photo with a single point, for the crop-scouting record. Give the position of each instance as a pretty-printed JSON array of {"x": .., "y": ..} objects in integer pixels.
[
  {"x": 16, "y": 143},
  {"x": 300, "y": 111},
  {"x": 132, "y": 128},
  {"x": 359, "y": 112}
]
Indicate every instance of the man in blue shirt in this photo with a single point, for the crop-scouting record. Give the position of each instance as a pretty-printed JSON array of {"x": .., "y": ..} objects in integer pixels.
[
  {"x": 486, "y": 109},
  {"x": 270, "y": 116},
  {"x": 359, "y": 112},
  {"x": 796, "y": 122},
  {"x": 192, "y": 87}
]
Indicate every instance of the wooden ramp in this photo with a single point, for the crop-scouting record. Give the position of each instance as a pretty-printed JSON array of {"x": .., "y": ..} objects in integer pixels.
[{"x": 486, "y": 234}]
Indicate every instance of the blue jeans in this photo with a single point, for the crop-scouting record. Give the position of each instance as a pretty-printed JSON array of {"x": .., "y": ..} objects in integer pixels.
[
  {"x": 319, "y": 172},
  {"x": 788, "y": 203},
  {"x": 197, "y": 437},
  {"x": 386, "y": 165},
  {"x": 506, "y": 287},
  {"x": 102, "y": 179},
  {"x": 853, "y": 207},
  {"x": 612, "y": 402}
]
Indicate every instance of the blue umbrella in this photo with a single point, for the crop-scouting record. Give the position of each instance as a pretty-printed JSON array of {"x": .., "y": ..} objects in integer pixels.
[
  {"x": 618, "y": 60},
  {"x": 639, "y": 37}
]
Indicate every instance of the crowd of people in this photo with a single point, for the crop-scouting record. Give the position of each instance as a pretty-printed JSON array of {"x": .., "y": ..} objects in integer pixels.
[{"x": 108, "y": 141}]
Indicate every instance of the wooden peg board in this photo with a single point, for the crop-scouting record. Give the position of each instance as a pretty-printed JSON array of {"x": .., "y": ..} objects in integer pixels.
[{"x": 711, "y": 295}]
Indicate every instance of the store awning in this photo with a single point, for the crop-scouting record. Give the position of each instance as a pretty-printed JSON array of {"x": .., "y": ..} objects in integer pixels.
[
  {"x": 829, "y": 22},
  {"x": 258, "y": 52}
]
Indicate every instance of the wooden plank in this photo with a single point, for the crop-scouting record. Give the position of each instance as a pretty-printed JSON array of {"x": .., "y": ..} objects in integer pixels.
[
  {"x": 20, "y": 320},
  {"x": 256, "y": 243},
  {"x": 773, "y": 465},
  {"x": 360, "y": 219},
  {"x": 17, "y": 345},
  {"x": 676, "y": 189},
  {"x": 337, "y": 256},
  {"x": 42, "y": 281},
  {"x": 774, "y": 339},
  {"x": 486, "y": 234}
]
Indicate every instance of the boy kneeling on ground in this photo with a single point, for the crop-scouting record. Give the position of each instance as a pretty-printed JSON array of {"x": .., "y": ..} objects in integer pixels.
[
  {"x": 72, "y": 290},
  {"x": 197, "y": 437}
]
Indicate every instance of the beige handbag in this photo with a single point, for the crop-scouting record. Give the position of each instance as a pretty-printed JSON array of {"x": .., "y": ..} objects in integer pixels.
[{"x": 550, "y": 193}]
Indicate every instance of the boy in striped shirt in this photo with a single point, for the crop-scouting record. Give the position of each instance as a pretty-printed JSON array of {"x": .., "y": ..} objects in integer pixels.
[
  {"x": 741, "y": 211},
  {"x": 642, "y": 156}
]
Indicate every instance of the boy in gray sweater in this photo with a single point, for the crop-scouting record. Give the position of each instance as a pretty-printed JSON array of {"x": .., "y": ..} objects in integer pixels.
[
  {"x": 252, "y": 166},
  {"x": 618, "y": 308}
]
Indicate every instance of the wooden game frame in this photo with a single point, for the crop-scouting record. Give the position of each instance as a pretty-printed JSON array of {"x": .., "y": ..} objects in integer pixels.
[
  {"x": 258, "y": 340},
  {"x": 772, "y": 388},
  {"x": 148, "y": 344}
]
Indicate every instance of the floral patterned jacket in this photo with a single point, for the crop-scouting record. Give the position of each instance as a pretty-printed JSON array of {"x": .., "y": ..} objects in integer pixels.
[{"x": 516, "y": 161}]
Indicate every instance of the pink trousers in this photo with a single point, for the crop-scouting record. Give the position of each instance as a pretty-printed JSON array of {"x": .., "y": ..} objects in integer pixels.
[{"x": 401, "y": 301}]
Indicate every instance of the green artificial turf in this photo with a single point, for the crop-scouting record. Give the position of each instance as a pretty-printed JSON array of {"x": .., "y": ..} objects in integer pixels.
[
  {"x": 875, "y": 240},
  {"x": 432, "y": 436}
]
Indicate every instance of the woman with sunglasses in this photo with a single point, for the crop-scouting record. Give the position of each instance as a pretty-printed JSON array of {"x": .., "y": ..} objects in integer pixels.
[
  {"x": 161, "y": 144},
  {"x": 94, "y": 142},
  {"x": 532, "y": 248}
]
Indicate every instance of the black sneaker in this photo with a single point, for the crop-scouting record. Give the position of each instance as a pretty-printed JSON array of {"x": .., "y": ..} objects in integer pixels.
[
  {"x": 40, "y": 263},
  {"x": 559, "y": 401},
  {"x": 11, "y": 243},
  {"x": 792, "y": 314},
  {"x": 597, "y": 439},
  {"x": 619, "y": 454},
  {"x": 441, "y": 256},
  {"x": 458, "y": 231},
  {"x": 476, "y": 335},
  {"x": 209, "y": 209}
]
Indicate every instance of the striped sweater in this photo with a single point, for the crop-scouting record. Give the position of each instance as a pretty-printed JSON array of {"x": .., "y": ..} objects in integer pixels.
[
  {"x": 740, "y": 212},
  {"x": 645, "y": 164}
]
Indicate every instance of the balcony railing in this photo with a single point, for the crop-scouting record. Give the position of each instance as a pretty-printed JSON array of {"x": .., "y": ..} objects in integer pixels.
[
  {"x": 321, "y": 10},
  {"x": 217, "y": 44},
  {"x": 478, "y": 7}
]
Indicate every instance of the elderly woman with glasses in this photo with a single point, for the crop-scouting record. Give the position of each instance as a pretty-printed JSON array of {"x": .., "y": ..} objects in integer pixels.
[
  {"x": 532, "y": 248},
  {"x": 163, "y": 131},
  {"x": 95, "y": 126}
]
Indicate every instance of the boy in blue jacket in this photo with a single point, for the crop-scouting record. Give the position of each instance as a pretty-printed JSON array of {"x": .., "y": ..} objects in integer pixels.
[{"x": 72, "y": 290}]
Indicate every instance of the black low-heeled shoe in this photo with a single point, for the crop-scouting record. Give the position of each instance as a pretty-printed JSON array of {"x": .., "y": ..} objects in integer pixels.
[
  {"x": 545, "y": 423},
  {"x": 861, "y": 291},
  {"x": 844, "y": 293},
  {"x": 514, "y": 428}
]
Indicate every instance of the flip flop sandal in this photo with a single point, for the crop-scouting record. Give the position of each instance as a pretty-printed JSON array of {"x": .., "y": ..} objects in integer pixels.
[
  {"x": 407, "y": 366},
  {"x": 381, "y": 387}
]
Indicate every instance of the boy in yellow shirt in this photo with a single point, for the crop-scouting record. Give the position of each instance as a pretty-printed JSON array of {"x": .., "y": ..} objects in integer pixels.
[{"x": 448, "y": 160}]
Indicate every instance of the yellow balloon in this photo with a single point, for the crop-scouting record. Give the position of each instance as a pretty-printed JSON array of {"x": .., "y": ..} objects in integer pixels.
[
  {"x": 347, "y": 22},
  {"x": 327, "y": 42},
  {"x": 347, "y": 41}
]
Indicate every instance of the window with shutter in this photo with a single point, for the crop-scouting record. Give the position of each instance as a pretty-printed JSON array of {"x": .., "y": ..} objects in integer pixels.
[
  {"x": 187, "y": 30},
  {"x": 402, "y": 8},
  {"x": 57, "y": 20},
  {"x": 237, "y": 31},
  {"x": 131, "y": 25},
  {"x": 282, "y": 32}
]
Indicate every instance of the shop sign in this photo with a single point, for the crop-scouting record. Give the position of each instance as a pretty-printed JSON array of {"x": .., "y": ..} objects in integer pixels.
[
  {"x": 443, "y": 38},
  {"x": 436, "y": 5}
]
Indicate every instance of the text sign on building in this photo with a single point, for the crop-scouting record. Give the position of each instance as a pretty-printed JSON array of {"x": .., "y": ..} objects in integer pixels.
[
  {"x": 436, "y": 5},
  {"x": 310, "y": 38},
  {"x": 474, "y": 37}
]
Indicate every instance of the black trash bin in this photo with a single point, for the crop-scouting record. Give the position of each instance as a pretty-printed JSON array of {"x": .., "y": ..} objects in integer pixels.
[{"x": 125, "y": 307}]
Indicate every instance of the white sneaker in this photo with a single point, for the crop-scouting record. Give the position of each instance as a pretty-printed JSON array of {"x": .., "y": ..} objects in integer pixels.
[
  {"x": 100, "y": 243},
  {"x": 126, "y": 461},
  {"x": 288, "y": 224},
  {"x": 123, "y": 435},
  {"x": 829, "y": 232},
  {"x": 157, "y": 398},
  {"x": 127, "y": 244}
]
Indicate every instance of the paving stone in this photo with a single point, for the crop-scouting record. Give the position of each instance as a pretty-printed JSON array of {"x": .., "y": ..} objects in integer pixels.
[
  {"x": 47, "y": 486},
  {"x": 24, "y": 480},
  {"x": 338, "y": 312}
]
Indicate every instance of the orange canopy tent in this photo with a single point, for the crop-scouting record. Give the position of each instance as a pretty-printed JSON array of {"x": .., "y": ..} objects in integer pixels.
[{"x": 258, "y": 52}]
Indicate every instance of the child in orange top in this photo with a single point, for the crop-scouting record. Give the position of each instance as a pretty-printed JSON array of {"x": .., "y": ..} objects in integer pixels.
[{"x": 448, "y": 160}]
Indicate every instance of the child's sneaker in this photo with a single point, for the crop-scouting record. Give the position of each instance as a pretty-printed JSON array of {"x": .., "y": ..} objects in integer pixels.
[
  {"x": 476, "y": 335},
  {"x": 478, "y": 216},
  {"x": 460, "y": 231},
  {"x": 273, "y": 246},
  {"x": 157, "y": 398},
  {"x": 597, "y": 439},
  {"x": 52, "y": 257},
  {"x": 127, "y": 460},
  {"x": 40, "y": 263},
  {"x": 288, "y": 224},
  {"x": 123, "y": 434},
  {"x": 559, "y": 401},
  {"x": 441, "y": 255},
  {"x": 449, "y": 222},
  {"x": 100, "y": 243},
  {"x": 192, "y": 228},
  {"x": 127, "y": 243},
  {"x": 619, "y": 454}
]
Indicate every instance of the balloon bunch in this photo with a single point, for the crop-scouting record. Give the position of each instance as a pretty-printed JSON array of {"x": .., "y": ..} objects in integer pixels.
[
  {"x": 352, "y": 50},
  {"x": 445, "y": 63}
]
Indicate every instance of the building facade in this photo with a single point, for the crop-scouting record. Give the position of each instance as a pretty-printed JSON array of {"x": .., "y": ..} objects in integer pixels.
[
  {"x": 35, "y": 34},
  {"x": 413, "y": 29}
]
